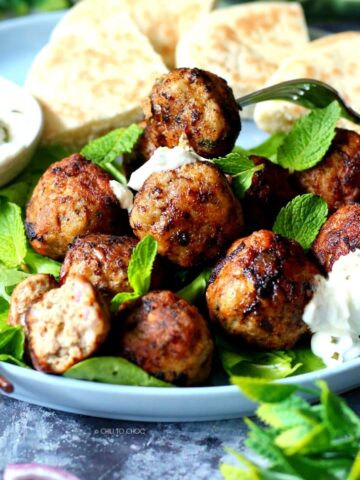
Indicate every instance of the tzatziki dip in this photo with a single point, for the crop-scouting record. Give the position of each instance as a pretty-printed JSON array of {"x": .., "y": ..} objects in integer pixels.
[{"x": 20, "y": 129}]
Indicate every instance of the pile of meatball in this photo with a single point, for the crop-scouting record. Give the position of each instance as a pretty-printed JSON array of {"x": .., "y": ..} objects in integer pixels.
[{"x": 260, "y": 282}]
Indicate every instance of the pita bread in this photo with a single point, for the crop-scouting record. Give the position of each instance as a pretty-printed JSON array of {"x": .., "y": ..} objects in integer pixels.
[
  {"x": 244, "y": 44},
  {"x": 333, "y": 60},
  {"x": 93, "y": 77},
  {"x": 162, "y": 21}
]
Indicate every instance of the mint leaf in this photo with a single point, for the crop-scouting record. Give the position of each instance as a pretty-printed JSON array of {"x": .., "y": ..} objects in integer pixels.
[
  {"x": 12, "y": 234},
  {"x": 9, "y": 278},
  {"x": 10, "y": 359},
  {"x": 301, "y": 219},
  {"x": 261, "y": 390},
  {"x": 309, "y": 139},
  {"x": 196, "y": 288},
  {"x": 39, "y": 264},
  {"x": 241, "y": 168},
  {"x": 114, "y": 370},
  {"x": 269, "y": 148},
  {"x": 307, "y": 361},
  {"x": 139, "y": 271},
  {"x": 105, "y": 150}
]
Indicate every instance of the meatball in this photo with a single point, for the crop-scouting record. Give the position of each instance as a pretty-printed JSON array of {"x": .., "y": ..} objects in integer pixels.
[
  {"x": 271, "y": 189},
  {"x": 190, "y": 211},
  {"x": 67, "y": 325},
  {"x": 258, "y": 292},
  {"x": 167, "y": 337},
  {"x": 339, "y": 236},
  {"x": 73, "y": 197},
  {"x": 26, "y": 293},
  {"x": 337, "y": 177},
  {"x": 103, "y": 260},
  {"x": 197, "y": 103}
]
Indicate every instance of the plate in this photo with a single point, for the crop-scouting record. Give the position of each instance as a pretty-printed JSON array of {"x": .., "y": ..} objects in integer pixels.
[{"x": 20, "y": 40}]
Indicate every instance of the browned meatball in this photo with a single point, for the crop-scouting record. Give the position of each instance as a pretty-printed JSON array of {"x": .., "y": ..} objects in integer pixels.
[
  {"x": 339, "y": 236},
  {"x": 197, "y": 103},
  {"x": 26, "y": 293},
  {"x": 167, "y": 337},
  {"x": 73, "y": 197},
  {"x": 259, "y": 291},
  {"x": 337, "y": 177},
  {"x": 190, "y": 211},
  {"x": 67, "y": 325},
  {"x": 270, "y": 190},
  {"x": 103, "y": 260}
]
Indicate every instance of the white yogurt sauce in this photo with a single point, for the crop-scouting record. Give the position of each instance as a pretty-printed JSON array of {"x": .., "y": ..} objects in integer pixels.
[
  {"x": 333, "y": 314},
  {"x": 123, "y": 194},
  {"x": 20, "y": 129},
  {"x": 164, "y": 159}
]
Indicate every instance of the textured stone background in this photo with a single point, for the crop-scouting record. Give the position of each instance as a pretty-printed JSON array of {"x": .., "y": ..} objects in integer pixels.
[{"x": 99, "y": 449}]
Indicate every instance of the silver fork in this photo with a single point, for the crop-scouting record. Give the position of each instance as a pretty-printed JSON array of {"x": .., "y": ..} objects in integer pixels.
[{"x": 302, "y": 91}]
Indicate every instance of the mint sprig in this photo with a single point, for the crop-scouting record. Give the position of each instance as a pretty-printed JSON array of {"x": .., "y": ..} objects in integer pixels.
[
  {"x": 301, "y": 219},
  {"x": 105, "y": 150},
  {"x": 195, "y": 289},
  {"x": 309, "y": 139},
  {"x": 139, "y": 271},
  {"x": 241, "y": 168},
  {"x": 301, "y": 441}
]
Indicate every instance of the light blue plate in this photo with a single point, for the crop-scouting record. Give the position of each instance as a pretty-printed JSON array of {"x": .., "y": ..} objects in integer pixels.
[{"x": 20, "y": 40}]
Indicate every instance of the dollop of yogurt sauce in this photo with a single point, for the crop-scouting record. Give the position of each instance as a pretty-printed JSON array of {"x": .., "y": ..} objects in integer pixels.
[
  {"x": 164, "y": 158},
  {"x": 333, "y": 314},
  {"x": 20, "y": 129}
]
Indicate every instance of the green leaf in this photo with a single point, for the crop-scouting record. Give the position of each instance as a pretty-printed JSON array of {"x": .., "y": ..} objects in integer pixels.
[
  {"x": 303, "y": 440},
  {"x": 309, "y": 139},
  {"x": 196, "y": 288},
  {"x": 306, "y": 359},
  {"x": 9, "y": 278},
  {"x": 285, "y": 414},
  {"x": 301, "y": 219},
  {"x": 139, "y": 271},
  {"x": 115, "y": 370},
  {"x": 12, "y": 234},
  {"x": 39, "y": 264},
  {"x": 241, "y": 168},
  {"x": 270, "y": 147},
  {"x": 4, "y": 313},
  {"x": 12, "y": 341},
  {"x": 267, "y": 365},
  {"x": 340, "y": 420},
  {"x": 261, "y": 390},
  {"x": 13, "y": 360},
  {"x": 141, "y": 265},
  {"x": 106, "y": 149},
  {"x": 355, "y": 470}
]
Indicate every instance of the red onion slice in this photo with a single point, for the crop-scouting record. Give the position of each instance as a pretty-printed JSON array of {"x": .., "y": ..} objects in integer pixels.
[{"x": 35, "y": 471}]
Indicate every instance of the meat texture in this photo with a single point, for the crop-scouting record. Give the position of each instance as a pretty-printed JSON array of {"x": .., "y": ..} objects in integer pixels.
[
  {"x": 337, "y": 177},
  {"x": 73, "y": 197},
  {"x": 196, "y": 103},
  {"x": 67, "y": 325},
  {"x": 258, "y": 292},
  {"x": 167, "y": 337},
  {"x": 339, "y": 236},
  {"x": 190, "y": 211}
]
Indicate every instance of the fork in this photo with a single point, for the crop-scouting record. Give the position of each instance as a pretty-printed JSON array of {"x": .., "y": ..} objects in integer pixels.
[{"x": 306, "y": 92}]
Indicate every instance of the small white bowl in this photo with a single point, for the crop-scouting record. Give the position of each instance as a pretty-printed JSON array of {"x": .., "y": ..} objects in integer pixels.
[{"x": 22, "y": 116}]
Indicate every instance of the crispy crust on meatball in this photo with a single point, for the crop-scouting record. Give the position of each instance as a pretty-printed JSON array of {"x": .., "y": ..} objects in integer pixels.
[
  {"x": 103, "y": 260},
  {"x": 26, "y": 293},
  {"x": 167, "y": 337},
  {"x": 339, "y": 236},
  {"x": 190, "y": 211},
  {"x": 337, "y": 177},
  {"x": 260, "y": 289},
  {"x": 73, "y": 197},
  {"x": 67, "y": 325},
  {"x": 197, "y": 103},
  {"x": 271, "y": 189}
]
